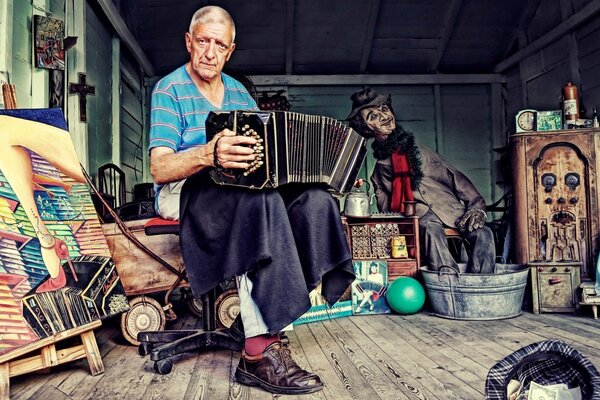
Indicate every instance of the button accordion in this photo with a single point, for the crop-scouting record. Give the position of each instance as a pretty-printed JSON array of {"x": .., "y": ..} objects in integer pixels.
[{"x": 292, "y": 148}]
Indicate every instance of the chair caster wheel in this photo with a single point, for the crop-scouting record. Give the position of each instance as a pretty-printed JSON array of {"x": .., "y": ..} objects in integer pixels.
[
  {"x": 145, "y": 348},
  {"x": 164, "y": 366}
]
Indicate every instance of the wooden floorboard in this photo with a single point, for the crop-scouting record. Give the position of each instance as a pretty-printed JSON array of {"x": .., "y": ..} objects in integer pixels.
[{"x": 363, "y": 357}]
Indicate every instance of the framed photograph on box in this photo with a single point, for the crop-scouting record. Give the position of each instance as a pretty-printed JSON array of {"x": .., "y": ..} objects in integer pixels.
[
  {"x": 549, "y": 120},
  {"x": 369, "y": 288}
]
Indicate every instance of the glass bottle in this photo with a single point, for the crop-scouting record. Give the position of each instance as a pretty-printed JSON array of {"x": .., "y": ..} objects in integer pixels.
[{"x": 571, "y": 102}]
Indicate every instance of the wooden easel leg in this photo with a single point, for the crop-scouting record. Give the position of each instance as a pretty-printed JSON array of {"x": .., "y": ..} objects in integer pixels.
[
  {"x": 595, "y": 311},
  {"x": 4, "y": 382},
  {"x": 92, "y": 352},
  {"x": 49, "y": 357}
]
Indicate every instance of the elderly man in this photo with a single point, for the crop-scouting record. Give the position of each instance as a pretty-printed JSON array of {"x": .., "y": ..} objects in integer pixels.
[
  {"x": 405, "y": 171},
  {"x": 280, "y": 244}
]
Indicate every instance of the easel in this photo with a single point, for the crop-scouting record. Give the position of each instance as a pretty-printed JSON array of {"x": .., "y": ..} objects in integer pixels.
[{"x": 19, "y": 361}]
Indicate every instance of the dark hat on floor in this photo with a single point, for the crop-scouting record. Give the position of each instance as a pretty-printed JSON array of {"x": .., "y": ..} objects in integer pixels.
[
  {"x": 366, "y": 98},
  {"x": 548, "y": 362}
]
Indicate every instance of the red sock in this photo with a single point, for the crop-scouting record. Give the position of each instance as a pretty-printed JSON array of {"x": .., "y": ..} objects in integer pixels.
[{"x": 256, "y": 345}]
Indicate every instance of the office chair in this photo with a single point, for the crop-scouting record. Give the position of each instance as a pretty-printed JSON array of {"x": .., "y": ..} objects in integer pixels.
[{"x": 163, "y": 345}]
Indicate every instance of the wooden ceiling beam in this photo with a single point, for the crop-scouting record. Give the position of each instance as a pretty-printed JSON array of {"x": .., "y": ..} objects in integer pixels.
[
  {"x": 368, "y": 79},
  {"x": 126, "y": 36},
  {"x": 448, "y": 28},
  {"x": 526, "y": 17},
  {"x": 367, "y": 44},
  {"x": 289, "y": 37},
  {"x": 587, "y": 12}
]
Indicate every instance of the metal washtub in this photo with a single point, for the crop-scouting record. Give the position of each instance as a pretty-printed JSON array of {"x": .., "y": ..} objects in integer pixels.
[{"x": 459, "y": 295}]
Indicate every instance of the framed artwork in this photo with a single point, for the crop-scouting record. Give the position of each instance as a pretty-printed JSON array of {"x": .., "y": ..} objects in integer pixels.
[
  {"x": 49, "y": 48},
  {"x": 56, "y": 271},
  {"x": 369, "y": 288}
]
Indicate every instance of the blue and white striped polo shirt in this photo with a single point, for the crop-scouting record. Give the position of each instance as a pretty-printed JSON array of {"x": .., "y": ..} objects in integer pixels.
[{"x": 178, "y": 110}]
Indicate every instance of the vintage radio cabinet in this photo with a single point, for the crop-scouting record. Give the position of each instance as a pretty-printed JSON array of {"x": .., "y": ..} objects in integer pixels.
[{"x": 556, "y": 205}]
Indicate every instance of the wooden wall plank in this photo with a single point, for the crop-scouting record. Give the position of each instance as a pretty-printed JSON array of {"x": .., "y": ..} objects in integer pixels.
[{"x": 99, "y": 107}]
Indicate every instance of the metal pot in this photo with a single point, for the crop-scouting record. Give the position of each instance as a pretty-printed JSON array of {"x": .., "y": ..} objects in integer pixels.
[{"x": 358, "y": 204}]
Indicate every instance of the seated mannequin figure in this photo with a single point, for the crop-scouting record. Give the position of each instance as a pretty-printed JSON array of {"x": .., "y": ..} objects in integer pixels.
[{"x": 406, "y": 171}]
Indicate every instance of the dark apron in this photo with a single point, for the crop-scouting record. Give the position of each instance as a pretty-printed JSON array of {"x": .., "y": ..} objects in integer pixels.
[{"x": 289, "y": 240}]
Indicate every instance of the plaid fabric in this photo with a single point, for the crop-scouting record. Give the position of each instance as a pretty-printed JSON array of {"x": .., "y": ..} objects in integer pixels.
[{"x": 547, "y": 362}]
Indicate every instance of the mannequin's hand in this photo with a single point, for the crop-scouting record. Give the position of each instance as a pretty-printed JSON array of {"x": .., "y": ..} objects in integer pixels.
[{"x": 471, "y": 220}]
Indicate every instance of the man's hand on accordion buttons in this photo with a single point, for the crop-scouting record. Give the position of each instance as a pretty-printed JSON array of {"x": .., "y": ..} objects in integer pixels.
[
  {"x": 232, "y": 151},
  {"x": 471, "y": 220}
]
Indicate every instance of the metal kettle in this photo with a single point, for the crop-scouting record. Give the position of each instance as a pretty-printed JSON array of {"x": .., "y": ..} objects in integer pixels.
[{"x": 358, "y": 204}]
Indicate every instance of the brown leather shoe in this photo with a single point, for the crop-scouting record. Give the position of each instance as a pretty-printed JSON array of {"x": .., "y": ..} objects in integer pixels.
[{"x": 276, "y": 372}]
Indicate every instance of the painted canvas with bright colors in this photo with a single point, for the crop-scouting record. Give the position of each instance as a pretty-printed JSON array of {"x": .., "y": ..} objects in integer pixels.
[{"x": 56, "y": 271}]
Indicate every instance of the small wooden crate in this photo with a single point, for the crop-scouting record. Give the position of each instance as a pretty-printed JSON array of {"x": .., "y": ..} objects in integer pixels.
[
  {"x": 402, "y": 268},
  {"x": 46, "y": 353},
  {"x": 589, "y": 297}
]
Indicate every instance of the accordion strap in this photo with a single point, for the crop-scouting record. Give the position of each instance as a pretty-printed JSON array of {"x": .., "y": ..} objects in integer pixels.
[{"x": 216, "y": 161}]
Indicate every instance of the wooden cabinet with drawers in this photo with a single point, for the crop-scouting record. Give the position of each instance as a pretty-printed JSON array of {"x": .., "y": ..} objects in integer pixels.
[{"x": 370, "y": 239}]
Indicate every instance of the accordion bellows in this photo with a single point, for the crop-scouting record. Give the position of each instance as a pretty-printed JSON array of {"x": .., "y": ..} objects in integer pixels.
[{"x": 295, "y": 148}]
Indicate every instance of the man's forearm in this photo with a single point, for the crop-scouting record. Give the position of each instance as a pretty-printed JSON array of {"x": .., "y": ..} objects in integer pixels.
[{"x": 173, "y": 167}]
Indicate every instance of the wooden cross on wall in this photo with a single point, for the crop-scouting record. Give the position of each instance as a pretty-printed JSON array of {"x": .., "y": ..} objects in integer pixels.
[{"x": 82, "y": 89}]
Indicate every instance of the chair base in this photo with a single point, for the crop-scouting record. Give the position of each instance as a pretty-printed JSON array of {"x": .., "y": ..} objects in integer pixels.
[{"x": 162, "y": 345}]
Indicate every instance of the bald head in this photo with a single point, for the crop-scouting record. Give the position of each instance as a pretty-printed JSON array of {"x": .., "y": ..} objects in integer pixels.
[{"x": 212, "y": 14}]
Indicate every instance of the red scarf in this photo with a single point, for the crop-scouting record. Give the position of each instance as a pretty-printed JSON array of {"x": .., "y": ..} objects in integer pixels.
[{"x": 401, "y": 188}]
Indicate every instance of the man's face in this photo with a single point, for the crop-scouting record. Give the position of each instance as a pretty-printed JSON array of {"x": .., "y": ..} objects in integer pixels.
[
  {"x": 380, "y": 120},
  {"x": 210, "y": 46}
]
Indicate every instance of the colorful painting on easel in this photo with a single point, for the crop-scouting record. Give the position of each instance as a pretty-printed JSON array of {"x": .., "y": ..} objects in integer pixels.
[
  {"x": 49, "y": 48},
  {"x": 56, "y": 272}
]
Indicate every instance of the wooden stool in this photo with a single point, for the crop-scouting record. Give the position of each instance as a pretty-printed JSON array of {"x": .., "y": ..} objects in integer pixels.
[
  {"x": 594, "y": 309},
  {"x": 457, "y": 245},
  {"x": 14, "y": 363}
]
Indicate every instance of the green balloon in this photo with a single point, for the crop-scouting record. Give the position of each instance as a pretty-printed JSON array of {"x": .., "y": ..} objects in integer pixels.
[{"x": 405, "y": 295}]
